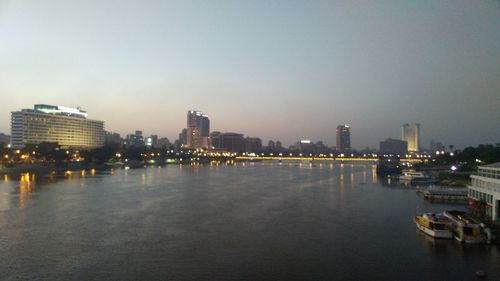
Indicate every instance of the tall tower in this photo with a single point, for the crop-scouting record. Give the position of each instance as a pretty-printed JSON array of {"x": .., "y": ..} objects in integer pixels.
[
  {"x": 411, "y": 134},
  {"x": 343, "y": 138},
  {"x": 198, "y": 130}
]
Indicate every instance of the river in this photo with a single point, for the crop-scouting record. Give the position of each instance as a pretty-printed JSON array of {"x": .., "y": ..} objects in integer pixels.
[{"x": 249, "y": 221}]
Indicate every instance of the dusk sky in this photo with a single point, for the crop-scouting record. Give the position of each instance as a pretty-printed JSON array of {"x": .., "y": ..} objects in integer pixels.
[{"x": 281, "y": 70}]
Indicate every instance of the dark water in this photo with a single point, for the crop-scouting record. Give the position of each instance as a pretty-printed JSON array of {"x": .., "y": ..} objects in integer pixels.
[{"x": 253, "y": 222}]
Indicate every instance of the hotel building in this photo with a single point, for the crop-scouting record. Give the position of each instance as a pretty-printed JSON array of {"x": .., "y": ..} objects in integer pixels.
[
  {"x": 69, "y": 127},
  {"x": 411, "y": 134},
  {"x": 485, "y": 185}
]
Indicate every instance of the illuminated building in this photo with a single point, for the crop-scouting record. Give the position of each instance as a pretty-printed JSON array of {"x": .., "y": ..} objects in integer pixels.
[
  {"x": 198, "y": 130},
  {"x": 343, "y": 138},
  {"x": 152, "y": 141},
  {"x": 485, "y": 186},
  {"x": 411, "y": 134},
  {"x": 69, "y": 127}
]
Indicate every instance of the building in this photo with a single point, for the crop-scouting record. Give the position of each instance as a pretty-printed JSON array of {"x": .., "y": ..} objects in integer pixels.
[
  {"x": 485, "y": 186},
  {"x": 198, "y": 130},
  {"x": 343, "y": 138},
  {"x": 136, "y": 139},
  {"x": 182, "y": 141},
  {"x": 303, "y": 146},
  {"x": 113, "y": 138},
  {"x": 152, "y": 141},
  {"x": 253, "y": 144},
  {"x": 232, "y": 142},
  {"x": 411, "y": 134},
  {"x": 66, "y": 126},
  {"x": 215, "y": 139},
  {"x": 4, "y": 140},
  {"x": 393, "y": 147}
]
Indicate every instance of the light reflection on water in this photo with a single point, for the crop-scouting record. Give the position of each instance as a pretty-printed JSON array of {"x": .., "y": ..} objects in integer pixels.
[{"x": 247, "y": 221}]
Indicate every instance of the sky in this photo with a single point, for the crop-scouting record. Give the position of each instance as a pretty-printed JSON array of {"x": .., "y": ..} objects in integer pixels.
[{"x": 280, "y": 70}]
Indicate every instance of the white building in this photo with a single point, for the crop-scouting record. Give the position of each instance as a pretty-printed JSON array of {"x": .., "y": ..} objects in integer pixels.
[
  {"x": 485, "y": 185},
  {"x": 69, "y": 127}
]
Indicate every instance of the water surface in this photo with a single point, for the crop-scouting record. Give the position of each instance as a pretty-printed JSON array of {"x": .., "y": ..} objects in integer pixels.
[{"x": 262, "y": 221}]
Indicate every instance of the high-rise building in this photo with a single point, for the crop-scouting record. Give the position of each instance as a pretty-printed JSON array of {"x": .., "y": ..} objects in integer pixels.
[
  {"x": 198, "y": 130},
  {"x": 69, "y": 127},
  {"x": 411, "y": 134},
  {"x": 343, "y": 138}
]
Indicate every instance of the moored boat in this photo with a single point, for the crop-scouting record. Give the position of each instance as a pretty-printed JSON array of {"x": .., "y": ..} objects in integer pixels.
[
  {"x": 435, "y": 225},
  {"x": 465, "y": 228},
  {"x": 408, "y": 176}
]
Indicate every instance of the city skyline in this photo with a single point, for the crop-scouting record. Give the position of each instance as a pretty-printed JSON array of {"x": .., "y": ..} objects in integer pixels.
[{"x": 286, "y": 71}]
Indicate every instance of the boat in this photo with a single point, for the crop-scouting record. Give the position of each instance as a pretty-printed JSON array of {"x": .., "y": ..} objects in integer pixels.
[
  {"x": 434, "y": 225},
  {"x": 457, "y": 195},
  {"x": 465, "y": 228},
  {"x": 410, "y": 176},
  {"x": 416, "y": 178}
]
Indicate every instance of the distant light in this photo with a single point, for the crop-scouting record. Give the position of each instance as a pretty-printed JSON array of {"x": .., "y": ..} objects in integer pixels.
[
  {"x": 453, "y": 168},
  {"x": 305, "y": 141},
  {"x": 451, "y": 154}
]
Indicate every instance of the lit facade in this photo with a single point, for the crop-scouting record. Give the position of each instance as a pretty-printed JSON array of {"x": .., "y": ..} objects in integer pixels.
[
  {"x": 343, "y": 138},
  {"x": 198, "y": 130},
  {"x": 69, "y": 127},
  {"x": 411, "y": 134},
  {"x": 485, "y": 185}
]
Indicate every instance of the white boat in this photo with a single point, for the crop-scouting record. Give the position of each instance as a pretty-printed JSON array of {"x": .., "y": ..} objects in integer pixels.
[
  {"x": 465, "y": 228},
  {"x": 409, "y": 176},
  {"x": 435, "y": 225}
]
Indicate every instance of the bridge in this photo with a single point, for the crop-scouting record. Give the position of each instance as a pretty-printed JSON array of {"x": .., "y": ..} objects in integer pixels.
[{"x": 334, "y": 159}]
